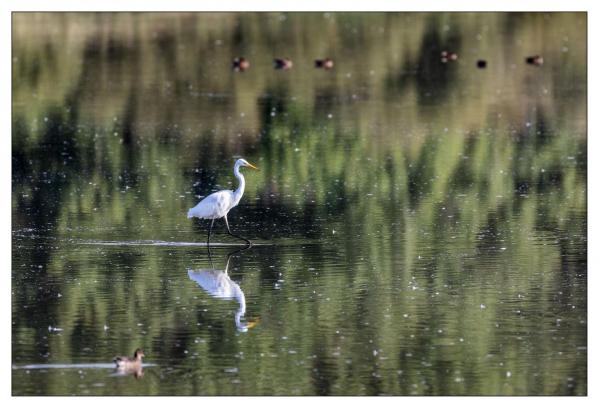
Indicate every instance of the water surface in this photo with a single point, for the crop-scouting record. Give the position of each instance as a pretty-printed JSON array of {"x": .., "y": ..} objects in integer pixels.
[{"x": 419, "y": 227}]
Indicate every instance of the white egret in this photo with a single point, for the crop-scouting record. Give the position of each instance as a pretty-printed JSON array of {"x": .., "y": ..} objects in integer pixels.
[
  {"x": 218, "y": 205},
  {"x": 219, "y": 284}
]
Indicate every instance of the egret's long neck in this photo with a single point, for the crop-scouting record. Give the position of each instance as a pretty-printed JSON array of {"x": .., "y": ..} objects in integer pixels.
[
  {"x": 241, "y": 311},
  {"x": 239, "y": 192}
]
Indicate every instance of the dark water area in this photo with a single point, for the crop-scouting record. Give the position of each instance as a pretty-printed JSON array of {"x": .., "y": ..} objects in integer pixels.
[{"x": 419, "y": 225}]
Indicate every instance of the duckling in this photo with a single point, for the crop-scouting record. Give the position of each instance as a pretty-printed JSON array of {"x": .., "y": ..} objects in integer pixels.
[
  {"x": 447, "y": 56},
  {"x": 535, "y": 60},
  {"x": 240, "y": 64},
  {"x": 128, "y": 363},
  {"x": 326, "y": 63},
  {"x": 283, "y": 63}
]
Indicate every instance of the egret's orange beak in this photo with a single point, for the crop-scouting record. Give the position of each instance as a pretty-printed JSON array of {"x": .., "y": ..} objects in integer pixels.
[
  {"x": 253, "y": 323},
  {"x": 252, "y": 166}
]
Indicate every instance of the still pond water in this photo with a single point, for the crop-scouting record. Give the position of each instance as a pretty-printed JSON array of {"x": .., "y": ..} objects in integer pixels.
[{"x": 419, "y": 227}]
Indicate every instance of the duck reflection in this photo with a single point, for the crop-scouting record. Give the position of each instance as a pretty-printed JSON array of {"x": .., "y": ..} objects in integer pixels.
[
  {"x": 136, "y": 372},
  {"x": 219, "y": 284}
]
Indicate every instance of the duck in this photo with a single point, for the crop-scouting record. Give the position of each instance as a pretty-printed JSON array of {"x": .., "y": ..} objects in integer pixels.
[
  {"x": 128, "y": 363},
  {"x": 535, "y": 60},
  {"x": 326, "y": 63},
  {"x": 240, "y": 64},
  {"x": 447, "y": 56},
  {"x": 283, "y": 63}
]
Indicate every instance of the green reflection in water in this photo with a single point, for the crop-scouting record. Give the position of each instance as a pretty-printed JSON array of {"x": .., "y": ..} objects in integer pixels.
[{"x": 424, "y": 224}]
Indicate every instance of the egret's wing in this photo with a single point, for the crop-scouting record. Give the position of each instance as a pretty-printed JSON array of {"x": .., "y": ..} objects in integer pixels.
[
  {"x": 216, "y": 205},
  {"x": 213, "y": 281}
]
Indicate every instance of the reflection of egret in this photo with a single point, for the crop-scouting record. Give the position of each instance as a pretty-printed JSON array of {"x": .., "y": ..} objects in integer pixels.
[
  {"x": 219, "y": 284},
  {"x": 218, "y": 205}
]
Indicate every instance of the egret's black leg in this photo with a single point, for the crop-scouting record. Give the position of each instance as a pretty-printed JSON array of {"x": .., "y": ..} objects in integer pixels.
[
  {"x": 210, "y": 256},
  {"x": 210, "y": 231},
  {"x": 236, "y": 236}
]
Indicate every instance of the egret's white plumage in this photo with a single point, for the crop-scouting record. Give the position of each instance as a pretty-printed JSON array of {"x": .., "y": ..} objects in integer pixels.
[{"x": 218, "y": 205}]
